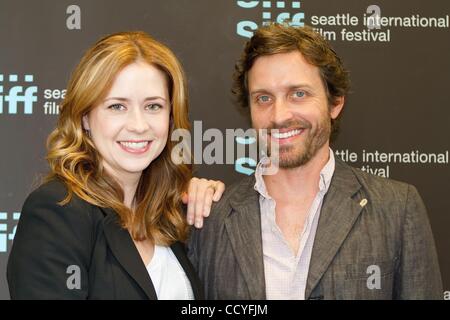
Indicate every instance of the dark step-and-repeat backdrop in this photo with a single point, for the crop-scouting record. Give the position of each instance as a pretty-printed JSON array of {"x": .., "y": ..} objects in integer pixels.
[{"x": 396, "y": 121}]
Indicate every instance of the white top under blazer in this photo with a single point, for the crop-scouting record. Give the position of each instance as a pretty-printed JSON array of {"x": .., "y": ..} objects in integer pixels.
[{"x": 168, "y": 277}]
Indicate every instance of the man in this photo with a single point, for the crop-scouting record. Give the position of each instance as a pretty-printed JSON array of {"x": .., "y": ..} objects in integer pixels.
[{"x": 318, "y": 228}]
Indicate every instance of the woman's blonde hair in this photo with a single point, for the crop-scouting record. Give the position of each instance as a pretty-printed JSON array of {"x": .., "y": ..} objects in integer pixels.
[{"x": 73, "y": 157}]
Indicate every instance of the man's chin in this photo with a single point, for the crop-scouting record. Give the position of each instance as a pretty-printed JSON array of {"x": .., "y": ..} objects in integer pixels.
[
  {"x": 293, "y": 161},
  {"x": 292, "y": 164}
]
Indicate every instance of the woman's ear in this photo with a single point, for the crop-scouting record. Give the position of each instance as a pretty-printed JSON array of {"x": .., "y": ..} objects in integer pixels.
[{"x": 85, "y": 121}]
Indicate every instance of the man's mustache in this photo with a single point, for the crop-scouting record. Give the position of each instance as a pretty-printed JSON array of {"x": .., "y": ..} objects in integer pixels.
[{"x": 290, "y": 124}]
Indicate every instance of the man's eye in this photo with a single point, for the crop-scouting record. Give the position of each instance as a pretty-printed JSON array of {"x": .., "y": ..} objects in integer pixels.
[
  {"x": 263, "y": 99},
  {"x": 116, "y": 107},
  {"x": 299, "y": 94}
]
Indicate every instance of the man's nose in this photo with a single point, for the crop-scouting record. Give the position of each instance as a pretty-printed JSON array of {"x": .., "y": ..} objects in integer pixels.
[{"x": 281, "y": 112}]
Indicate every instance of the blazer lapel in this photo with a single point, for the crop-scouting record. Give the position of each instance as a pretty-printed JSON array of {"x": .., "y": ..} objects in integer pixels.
[
  {"x": 339, "y": 213},
  {"x": 244, "y": 231},
  {"x": 123, "y": 248},
  {"x": 180, "y": 252}
]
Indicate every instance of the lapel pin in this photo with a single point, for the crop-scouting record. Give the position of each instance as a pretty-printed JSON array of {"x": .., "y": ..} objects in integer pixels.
[{"x": 363, "y": 202}]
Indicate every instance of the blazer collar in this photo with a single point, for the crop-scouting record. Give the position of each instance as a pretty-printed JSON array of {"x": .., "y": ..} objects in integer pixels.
[
  {"x": 339, "y": 212},
  {"x": 243, "y": 226},
  {"x": 123, "y": 248}
]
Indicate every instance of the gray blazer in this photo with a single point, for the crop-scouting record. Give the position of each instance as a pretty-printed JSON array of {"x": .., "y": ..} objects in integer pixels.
[{"x": 391, "y": 231}]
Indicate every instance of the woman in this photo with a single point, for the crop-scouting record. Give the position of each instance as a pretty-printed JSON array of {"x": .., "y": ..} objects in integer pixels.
[{"x": 108, "y": 222}]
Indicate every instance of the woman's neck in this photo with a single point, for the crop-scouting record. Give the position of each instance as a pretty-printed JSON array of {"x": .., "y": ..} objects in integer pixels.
[{"x": 129, "y": 183}]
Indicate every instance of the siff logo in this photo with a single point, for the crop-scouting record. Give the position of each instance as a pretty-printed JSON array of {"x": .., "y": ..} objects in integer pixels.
[
  {"x": 272, "y": 11},
  {"x": 17, "y": 94},
  {"x": 4, "y": 235}
]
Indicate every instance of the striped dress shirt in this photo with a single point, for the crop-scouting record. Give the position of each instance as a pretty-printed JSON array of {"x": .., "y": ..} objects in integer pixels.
[{"x": 286, "y": 273}]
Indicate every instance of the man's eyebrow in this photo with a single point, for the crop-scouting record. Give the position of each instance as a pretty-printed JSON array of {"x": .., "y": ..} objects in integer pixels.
[
  {"x": 287, "y": 88},
  {"x": 301, "y": 86},
  {"x": 259, "y": 91}
]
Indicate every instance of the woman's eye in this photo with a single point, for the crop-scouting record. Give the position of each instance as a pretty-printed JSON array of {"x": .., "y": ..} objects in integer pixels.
[
  {"x": 116, "y": 107},
  {"x": 154, "y": 107}
]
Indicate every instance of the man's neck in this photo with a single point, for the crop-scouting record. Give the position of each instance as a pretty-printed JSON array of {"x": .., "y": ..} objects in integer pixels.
[{"x": 293, "y": 183}]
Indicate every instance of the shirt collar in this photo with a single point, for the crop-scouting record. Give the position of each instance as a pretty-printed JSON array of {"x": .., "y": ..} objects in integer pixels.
[{"x": 325, "y": 176}]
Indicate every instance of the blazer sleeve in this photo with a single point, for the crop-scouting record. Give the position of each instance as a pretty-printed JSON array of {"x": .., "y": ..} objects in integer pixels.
[
  {"x": 50, "y": 255},
  {"x": 418, "y": 275}
]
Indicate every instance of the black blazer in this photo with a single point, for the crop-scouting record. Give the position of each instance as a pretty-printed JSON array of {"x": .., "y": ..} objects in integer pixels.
[{"x": 51, "y": 238}]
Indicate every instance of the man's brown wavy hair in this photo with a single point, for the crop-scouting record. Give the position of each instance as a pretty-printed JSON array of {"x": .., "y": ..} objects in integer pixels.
[
  {"x": 281, "y": 38},
  {"x": 73, "y": 158}
]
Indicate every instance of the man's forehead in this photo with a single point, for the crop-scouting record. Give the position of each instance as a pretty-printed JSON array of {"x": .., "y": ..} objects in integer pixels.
[{"x": 283, "y": 71}]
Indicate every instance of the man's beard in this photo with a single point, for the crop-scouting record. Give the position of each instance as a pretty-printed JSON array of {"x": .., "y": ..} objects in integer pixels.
[{"x": 300, "y": 153}]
